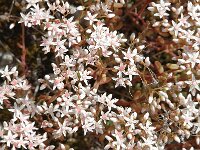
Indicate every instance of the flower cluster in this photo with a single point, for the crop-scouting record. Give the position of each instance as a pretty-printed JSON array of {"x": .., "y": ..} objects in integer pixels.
[{"x": 103, "y": 82}]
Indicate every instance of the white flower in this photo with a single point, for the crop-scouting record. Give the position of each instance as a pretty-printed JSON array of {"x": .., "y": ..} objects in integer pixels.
[
  {"x": 194, "y": 85},
  {"x": 63, "y": 128},
  {"x": 193, "y": 11},
  {"x": 162, "y": 8},
  {"x": 6, "y": 73},
  {"x": 187, "y": 117},
  {"x": 88, "y": 124},
  {"x": 84, "y": 76},
  {"x": 58, "y": 83},
  {"x": 110, "y": 103},
  {"x": 148, "y": 128},
  {"x": 176, "y": 28},
  {"x": 150, "y": 142},
  {"x": 9, "y": 138},
  {"x": 132, "y": 71},
  {"x": 131, "y": 122},
  {"x": 105, "y": 116},
  {"x": 120, "y": 140},
  {"x": 188, "y": 35},
  {"x": 64, "y": 8},
  {"x": 91, "y": 17},
  {"x": 130, "y": 54},
  {"x": 47, "y": 43},
  {"x": 50, "y": 109},
  {"x": 121, "y": 69},
  {"x": 190, "y": 106},
  {"x": 193, "y": 58},
  {"x": 120, "y": 81},
  {"x": 183, "y": 21}
]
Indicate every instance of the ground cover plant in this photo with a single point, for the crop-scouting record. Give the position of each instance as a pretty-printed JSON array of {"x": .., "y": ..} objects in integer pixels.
[{"x": 92, "y": 74}]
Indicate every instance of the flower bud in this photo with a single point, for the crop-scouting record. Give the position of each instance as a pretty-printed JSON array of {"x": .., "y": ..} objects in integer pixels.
[
  {"x": 156, "y": 24},
  {"x": 177, "y": 139},
  {"x": 151, "y": 8},
  {"x": 111, "y": 15},
  {"x": 198, "y": 97},
  {"x": 187, "y": 133},
  {"x": 62, "y": 146},
  {"x": 154, "y": 103},
  {"x": 165, "y": 139},
  {"x": 129, "y": 136},
  {"x": 47, "y": 77},
  {"x": 141, "y": 47},
  {"x": 118, "y": 60},
  {"x": 150, "y": 98},
  {"x": 152, "y": 108},
  {"x": 187, "y": 126},
  {"x": 173, "y": 9},
  {"x": 12, "y": 25},
  {"x": 132, "y": 37},
  {"x": 59, "y": 99},
  {"x": 146, "y": 116},
  {"x": 158, "y": 107},
  {"x": 180, "y": 131},
  {"x": 197, "y": 140},
  {"x": 80, "y": 8},
  {"x": 176, "y": 118},
  {"x": 171, "y": 105},
  {"x": 57, "y": 2},
  {"x": 93, "y": 110},
  {"x": 147, "y": 62},
  {"x": 39, "y": 108}
]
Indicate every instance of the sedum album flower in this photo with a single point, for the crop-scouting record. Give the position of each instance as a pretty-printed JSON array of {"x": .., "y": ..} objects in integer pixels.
[
  {"x": 92, "y": 64},
  {"x": 192, "y": 58},
  {"x": 120, "y": 140},
  {"x": 91, "y": 18},
  {"x": 6, "y": 73},
  {"x": 194, "y": 85},
  {"x": 162, "y": 8},
  {"x": 176, "y": 28}
]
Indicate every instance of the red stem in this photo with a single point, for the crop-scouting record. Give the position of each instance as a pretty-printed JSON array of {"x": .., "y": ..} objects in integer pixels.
[
  {"x": 143, "y": 8},
  {"x": 24, "y": 50}
]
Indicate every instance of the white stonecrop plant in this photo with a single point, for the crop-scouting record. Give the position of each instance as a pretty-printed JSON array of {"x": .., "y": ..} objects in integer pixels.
[
  {"x": 78, "y": 104},
  {"x": 185, "y": 32}
]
